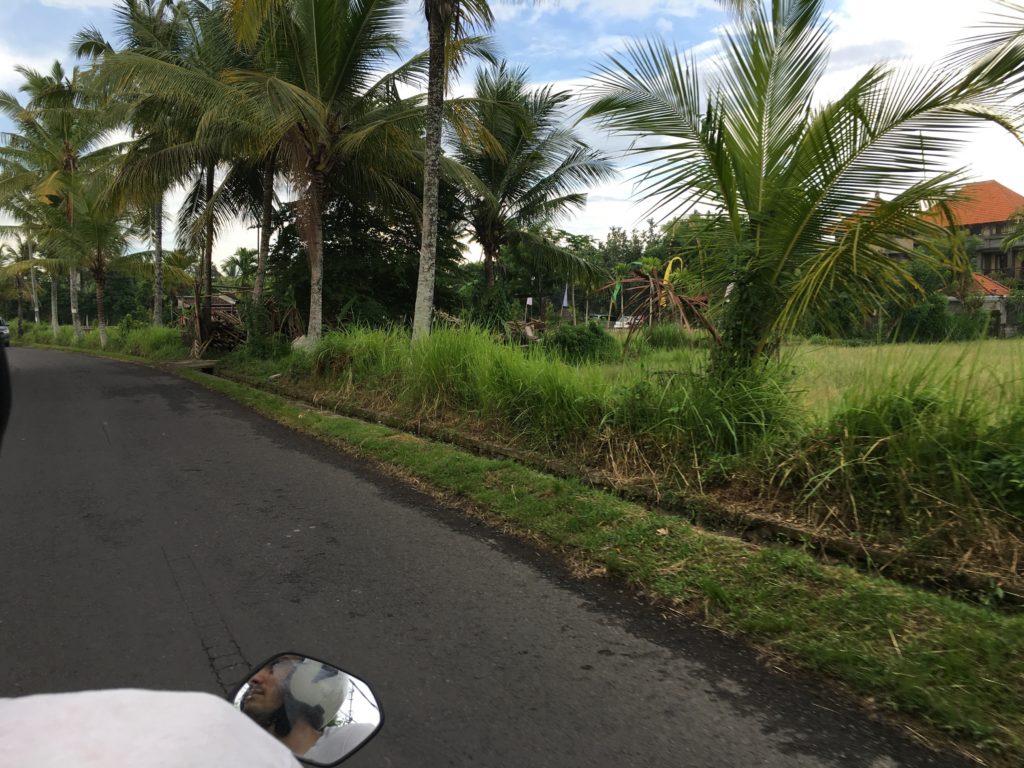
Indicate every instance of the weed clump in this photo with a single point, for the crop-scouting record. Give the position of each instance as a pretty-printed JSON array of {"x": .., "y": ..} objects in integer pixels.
[{"x": 586, "y": 343}]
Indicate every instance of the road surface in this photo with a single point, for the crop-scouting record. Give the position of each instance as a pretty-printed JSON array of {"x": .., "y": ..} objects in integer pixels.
[{"x": 160, "y": 535}]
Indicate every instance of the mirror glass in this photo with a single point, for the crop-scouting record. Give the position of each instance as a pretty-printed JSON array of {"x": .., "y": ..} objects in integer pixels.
[{"x": 321, "y": 713}]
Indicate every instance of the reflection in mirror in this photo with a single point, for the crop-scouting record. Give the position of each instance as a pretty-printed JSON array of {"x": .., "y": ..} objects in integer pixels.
[{"x": 319, "y": 712}]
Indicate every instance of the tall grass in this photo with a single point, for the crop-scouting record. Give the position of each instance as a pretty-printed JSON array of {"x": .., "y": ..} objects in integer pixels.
[
  {"x": 912, "y": 453},
  {"x": 929, "y": 452},
  {"x": 152, "y": 343},
  {"x": 542, "y": 402}
]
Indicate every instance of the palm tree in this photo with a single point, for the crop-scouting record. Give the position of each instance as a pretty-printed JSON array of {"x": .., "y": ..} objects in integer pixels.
[
  {"x": 242, "y": 265},
  {"x": 157, "y": 28},
  {"x": 60, "y": 133},
  {"x": 792, "y": 178},
  {"x": 100, "y": 237},
  {"x": 528, "y": 170},
  {"x": 446, "y": 20},
  {"x": 22, "y": 255},
  {"x": 312, "y": 97},
  {"x": 32, "y": 227},
  {"x": 316, "y": 100}
]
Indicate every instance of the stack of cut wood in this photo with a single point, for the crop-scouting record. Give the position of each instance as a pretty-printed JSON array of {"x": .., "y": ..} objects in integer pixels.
[{"x": 226, "y": 330}]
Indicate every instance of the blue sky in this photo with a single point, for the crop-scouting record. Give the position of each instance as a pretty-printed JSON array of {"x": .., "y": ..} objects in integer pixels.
[{"x": 562, "y": 40}]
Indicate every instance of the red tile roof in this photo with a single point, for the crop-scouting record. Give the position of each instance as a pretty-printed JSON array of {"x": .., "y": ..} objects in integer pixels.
[
  {"x": 990, "y": 286},
  {"x": 985, "y": 202}
]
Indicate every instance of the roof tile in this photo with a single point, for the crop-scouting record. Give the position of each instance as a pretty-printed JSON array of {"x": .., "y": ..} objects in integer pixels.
[{"x": 985, "y": 202}]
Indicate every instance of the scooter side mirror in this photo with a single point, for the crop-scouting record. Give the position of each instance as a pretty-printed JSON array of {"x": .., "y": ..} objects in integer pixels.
[{"x": 320, "y": 712}]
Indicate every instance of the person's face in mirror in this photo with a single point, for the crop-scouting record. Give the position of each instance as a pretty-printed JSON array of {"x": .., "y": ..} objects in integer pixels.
[{"x": 266, "y": 690}]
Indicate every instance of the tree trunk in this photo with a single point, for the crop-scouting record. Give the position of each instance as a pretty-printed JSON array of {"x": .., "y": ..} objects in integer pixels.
[
  {"x": 489, "y": 258},
  {"x": 158, "y": 261},
  {"x": 54, "y": 318},
  {"x": 266, "y": 221},
  {"x": 206, "y": 320},
  {"x": 35, "y": 288},
  {"x": 20, "y": 289},
  {"x": 75, "y": 280},
  {"x": 99, "y": 275},
  {"x": 315, "y": 250},
  {"x": 432, "y": 147},
  {"x": 745, "y": 328}
]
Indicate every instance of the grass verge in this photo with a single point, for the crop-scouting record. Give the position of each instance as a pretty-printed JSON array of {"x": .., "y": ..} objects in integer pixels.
[{"x": 956, "y": 667}]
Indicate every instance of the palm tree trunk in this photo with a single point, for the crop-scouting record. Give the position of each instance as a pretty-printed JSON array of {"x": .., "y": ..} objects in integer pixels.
[
  {"x": 54, "y": 319},
  {"x": 99, "y": 275},
  {"x": 424, "y": 309},
  {"x": 315, "y": 249},
  {"x": 489, "y": 258},
  {"x": 158, "y": 261},
  {"x": 75, "y": 280},
  {"x": 35, "y": 287},
  {"x": 206, "y": 320},
  {"x": 266, "y": 221},
  {"x": 19, "y": 288}
]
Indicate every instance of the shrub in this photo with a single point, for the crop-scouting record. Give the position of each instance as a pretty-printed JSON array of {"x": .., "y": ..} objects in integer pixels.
[
  {"x": 582, "y": 343},
  {"x": 127, "y": 324},
  {"x": 672, "y": 336},
  {"x": 916, "y": 456},
  {"x": 707, "y": 417},
  {"x": 151, "y": 342},
  {"x": 1004, "y": 476}
]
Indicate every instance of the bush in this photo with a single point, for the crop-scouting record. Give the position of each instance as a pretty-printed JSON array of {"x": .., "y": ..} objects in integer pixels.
[
  {"x": 1004, "y": 476},
  {"x": 707, "y": 417},
  {"x": 127, "y": 324},
  {"x": 582, "y": 343},
  {"x": 967, "y": 326},
  {"x": 926, "y": 320},
  {"x": 148, "y": 341},
  {"x": 912, "y": 455},
  {"x": 669, "y": 336}
]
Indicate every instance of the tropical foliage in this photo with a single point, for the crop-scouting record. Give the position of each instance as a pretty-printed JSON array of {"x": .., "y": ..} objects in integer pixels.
[{"x": 794, "y": 180}]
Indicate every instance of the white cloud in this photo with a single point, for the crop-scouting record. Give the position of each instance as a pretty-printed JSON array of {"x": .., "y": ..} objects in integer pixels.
[
  {"x": 624, "y": 9},
  {"x": 9, "y": 59},
  {"x": 78, "y": 5},
  {"x": 664, "y": 26},
  {"x": 866, "y": 31}
]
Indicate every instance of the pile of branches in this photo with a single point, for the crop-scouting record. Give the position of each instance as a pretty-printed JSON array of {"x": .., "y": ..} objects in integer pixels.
[{"x": 648, "y": 298}]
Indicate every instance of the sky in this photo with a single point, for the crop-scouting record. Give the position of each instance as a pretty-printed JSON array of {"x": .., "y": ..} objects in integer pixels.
[{"x": 562, "y": 41}]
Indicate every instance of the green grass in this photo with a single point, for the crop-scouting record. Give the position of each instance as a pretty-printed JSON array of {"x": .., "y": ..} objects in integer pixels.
[
  {"x": 145, "y": 341},
  {"x": 957, "y": 667},
  {"x": 922, "y": 451}
]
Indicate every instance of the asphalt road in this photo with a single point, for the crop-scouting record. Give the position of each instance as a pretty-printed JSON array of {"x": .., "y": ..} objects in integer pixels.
[{"x": 158, "y": 535}]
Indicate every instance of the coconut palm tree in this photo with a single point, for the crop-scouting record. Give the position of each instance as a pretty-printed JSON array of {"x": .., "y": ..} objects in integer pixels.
[
  {"x": 59, "y": 135},
  {"x": 446, "y": 20},
  {"x": 529, "y": 169},
  {"x": 793, "y": 177},
  {"x": 314, "y": 98},
  {"x": 32, "y": 227},
  {"x": 100, "y": 237},
  {"x": 241, "y": 266},
  {"x": 22, "y": 255},
  {"x": 157, "y": 28}
]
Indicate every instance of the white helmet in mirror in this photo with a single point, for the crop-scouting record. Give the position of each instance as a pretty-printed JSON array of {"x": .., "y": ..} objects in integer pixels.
[{"x": 318, "y": 686}]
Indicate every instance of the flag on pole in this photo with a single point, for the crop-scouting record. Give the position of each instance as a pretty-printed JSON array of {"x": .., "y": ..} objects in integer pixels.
[{"x": 529, "y": 301}]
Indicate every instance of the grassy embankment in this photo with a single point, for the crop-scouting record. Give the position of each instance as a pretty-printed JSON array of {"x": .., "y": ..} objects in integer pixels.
[{"x": 913, "y": 449}]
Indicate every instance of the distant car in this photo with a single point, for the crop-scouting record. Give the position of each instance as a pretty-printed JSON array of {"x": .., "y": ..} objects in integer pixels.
[
  {"x": 624, "y": 321},
  {"x": 5, "y": 333}
]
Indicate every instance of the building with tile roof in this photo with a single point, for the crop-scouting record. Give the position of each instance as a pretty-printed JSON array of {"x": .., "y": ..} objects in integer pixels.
[{"x": 987, "y": 209}]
